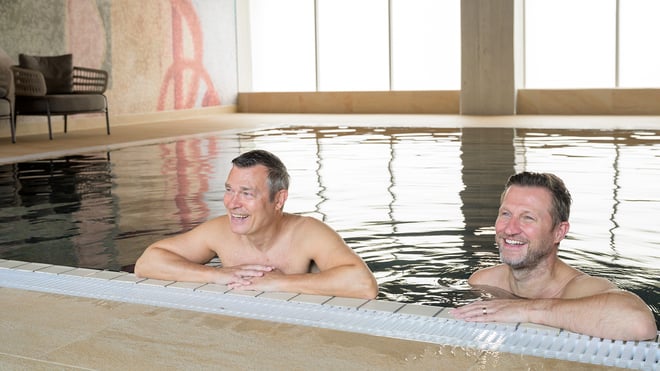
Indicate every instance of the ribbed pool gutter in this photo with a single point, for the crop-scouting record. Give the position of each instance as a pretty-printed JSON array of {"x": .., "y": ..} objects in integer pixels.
[{"x": 380, "y": 318}]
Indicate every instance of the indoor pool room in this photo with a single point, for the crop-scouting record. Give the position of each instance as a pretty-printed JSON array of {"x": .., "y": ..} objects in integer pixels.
[
  {"x": 416, "y": 202},
  {"x": 125, "y": 245}
]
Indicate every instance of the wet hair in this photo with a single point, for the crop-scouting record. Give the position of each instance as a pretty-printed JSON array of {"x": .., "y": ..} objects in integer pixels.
[
  {"x": 278, "y": 177},
  {"x": 561, "y": 198}
]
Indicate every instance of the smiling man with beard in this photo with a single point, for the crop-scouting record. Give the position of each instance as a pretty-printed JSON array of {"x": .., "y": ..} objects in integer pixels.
[
  {"x": 541, "y": 288},
  {"x": 260, "y": 246}
]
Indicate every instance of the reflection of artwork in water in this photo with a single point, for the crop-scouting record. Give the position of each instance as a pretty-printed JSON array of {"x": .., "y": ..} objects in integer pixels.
[{"x": 191, "y": 171}]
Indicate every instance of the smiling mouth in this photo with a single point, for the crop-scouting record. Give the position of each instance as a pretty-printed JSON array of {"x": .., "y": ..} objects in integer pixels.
[
  {"x": 239, "y": 216},
  {"x": 514, "y": 245}
]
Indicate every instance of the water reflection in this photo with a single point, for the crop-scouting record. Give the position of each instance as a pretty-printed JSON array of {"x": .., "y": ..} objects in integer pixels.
[
  {"x": 488, "y": 158},
  {"x": 58, "y": 211},
  {"x": 418, "y": 204}
]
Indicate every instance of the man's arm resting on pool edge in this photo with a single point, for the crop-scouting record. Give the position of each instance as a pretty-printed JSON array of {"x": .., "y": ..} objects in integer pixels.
[
  {"x": 350, "y": 280},
  {"x": 341, "y": 271},
  {"x": 614, "y": 314},
  {"x": 183, "y": 258},
  {"x": 161, "y": 263}
]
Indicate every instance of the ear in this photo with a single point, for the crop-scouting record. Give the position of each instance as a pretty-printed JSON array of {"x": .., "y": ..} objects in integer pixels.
[
  {"x": 561, "y": 231},
  {"x": 280, "y": 198}
]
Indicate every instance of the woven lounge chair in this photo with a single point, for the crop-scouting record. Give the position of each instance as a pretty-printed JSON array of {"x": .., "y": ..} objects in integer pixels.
[
  {"x": 51, "y": 85},
  {"x": 6, "y": 99}
]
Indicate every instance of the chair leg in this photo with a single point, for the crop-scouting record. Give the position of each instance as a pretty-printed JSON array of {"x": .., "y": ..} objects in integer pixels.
[
  {"x": 65, "y": 124},
  {"x": 107, "y": 118},
  {"x": 12, "y": 125},
  {"x": 50, "y": 130},
  {"x": 107, "y": 123}
]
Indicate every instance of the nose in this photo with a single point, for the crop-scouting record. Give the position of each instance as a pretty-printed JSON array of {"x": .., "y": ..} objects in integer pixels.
[
  {"x": 231, "y": 200},
  {"x": 510, "y": 226}
]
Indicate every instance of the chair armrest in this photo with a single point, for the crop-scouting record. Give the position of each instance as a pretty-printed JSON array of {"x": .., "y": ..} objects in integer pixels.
[
  {"x": 89, "y": 80},
  {"x": 6, "y": 80},
  {"x": 28, "y": 82}
]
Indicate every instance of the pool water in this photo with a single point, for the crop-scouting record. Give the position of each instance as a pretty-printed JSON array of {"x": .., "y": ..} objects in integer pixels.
[{"x": 417, "y": 203}]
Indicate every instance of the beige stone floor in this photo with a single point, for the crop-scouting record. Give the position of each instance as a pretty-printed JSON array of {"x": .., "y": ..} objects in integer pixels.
[{"x": 50, "y": 331}]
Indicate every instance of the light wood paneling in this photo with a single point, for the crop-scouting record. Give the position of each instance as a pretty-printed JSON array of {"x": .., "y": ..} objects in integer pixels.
[
  {"x": 437, "y": 102},
  {"x": 589, "y": 102}
]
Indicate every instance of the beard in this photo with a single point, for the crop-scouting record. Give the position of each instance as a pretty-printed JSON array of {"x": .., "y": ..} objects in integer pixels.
[{"x": 535, "y": 253}]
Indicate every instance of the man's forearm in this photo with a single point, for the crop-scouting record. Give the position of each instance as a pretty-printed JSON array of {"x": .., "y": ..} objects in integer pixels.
[
  {"x": 164, "y": 265},
  {"x": 344, "y": 281},
  {"x": 613, "y": 315}
]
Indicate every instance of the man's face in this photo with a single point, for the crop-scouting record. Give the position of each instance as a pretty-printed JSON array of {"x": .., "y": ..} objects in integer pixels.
[
  {"x": 523, "y": 229},
  {"x": 247, "y": 199}
]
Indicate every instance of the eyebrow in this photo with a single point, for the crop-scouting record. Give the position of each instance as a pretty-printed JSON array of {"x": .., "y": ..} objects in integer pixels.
[
  {"x": 242, "y": 188},
  {"x": 522, "y": 212}
]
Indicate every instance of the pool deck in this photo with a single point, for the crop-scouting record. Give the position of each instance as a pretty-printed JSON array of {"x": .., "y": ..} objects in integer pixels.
[
  {"x": 29, "y": 146},
  {"x": 45, "y": 330}
]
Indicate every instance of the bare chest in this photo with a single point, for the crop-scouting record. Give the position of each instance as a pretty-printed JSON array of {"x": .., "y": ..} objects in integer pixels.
[{"x": 284, "y": 256}]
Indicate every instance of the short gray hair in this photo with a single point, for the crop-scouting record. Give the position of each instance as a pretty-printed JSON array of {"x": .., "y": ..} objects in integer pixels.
[{"x": 278, "y": 176}]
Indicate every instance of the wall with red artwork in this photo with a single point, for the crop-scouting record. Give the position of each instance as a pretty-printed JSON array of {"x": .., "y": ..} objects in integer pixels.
[{"x": 162, "y": 55}]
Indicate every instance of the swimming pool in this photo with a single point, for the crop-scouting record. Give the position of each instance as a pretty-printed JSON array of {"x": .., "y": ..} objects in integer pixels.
[{"x": 418, "y": 204}]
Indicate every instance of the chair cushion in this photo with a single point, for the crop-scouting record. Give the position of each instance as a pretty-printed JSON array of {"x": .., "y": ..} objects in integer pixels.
[
  {"x": 61, "y": 104},
  {"x": 5, "y": 108},
  {"x": 57, "y": 71}
]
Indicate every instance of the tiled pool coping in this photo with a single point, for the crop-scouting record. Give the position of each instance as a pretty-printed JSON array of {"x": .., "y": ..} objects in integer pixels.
[{"x": 375, "y": 317}]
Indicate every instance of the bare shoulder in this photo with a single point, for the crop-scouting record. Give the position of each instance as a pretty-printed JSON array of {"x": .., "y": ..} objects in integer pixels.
[
  {"x": 585, "y": 285},
  {"x": 307, "y": 226},
  {"x": 308, "y": 221},
  {"x": 319, "y": 241},
  {"x": 492, "y": 276},
  {"x": 210, "y": 228},
  {"x": 197, "y": 244},
  {"x": 207, "y": 234},
  {"x": 217, "y": 221}
]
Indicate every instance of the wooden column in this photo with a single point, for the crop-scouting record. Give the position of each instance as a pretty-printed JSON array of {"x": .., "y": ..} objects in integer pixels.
[{"x": 492, "y": 49}]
